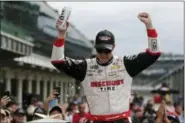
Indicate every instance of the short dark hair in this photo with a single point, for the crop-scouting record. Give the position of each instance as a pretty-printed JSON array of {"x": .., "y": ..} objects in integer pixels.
[
  {"x": 173, "y": 119},
  {"x": 176, "y": 104},
  {"x": 55, "y": 108},
  {"x": 40, "y": 110},
  {"x": 69, "y": 108},
  {"x": 11, "y": 103},
  {"x": 20, "y": 111}
]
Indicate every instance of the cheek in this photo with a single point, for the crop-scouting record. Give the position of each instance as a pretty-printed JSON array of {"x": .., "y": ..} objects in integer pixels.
[
  {"x": 11, "y": 118},
  {"x": 104, "y": 56},
  {"x": 53, "y": 113},
  {"x": 135, "y": 107},
  {"x": 179, "y": 109},
  {"x": 82, "y": 109},
  {"x": 14, "y": 108},
  {"x": 75, "y": 108}
]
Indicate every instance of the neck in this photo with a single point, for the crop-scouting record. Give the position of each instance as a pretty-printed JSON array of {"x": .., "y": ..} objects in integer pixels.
[
  {"x": 81, "y": 113},
  {"x": 178, "y": 113},
  {"x": 105, "y": 64}
]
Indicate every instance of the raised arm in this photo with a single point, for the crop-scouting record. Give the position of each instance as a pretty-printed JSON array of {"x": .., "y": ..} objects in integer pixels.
[
  {"x": 137, "y": 63},
  {"x": 73, "y": 68}
]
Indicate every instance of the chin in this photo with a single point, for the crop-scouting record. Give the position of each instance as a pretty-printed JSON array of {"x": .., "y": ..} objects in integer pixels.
[{"x": 104, "y": 61}]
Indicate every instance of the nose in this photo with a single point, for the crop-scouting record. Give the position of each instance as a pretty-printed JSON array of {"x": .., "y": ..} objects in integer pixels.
[{"x": 103, "y": 55}]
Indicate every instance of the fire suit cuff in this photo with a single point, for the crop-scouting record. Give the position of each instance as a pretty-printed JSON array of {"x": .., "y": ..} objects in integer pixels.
[
  {"x": 59, "y": 42},
  {"x": 152, "y": 33},
  {"x": 158, "y": 53}
]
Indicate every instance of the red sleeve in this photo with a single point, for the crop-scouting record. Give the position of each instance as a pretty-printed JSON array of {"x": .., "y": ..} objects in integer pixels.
[
  {"x": 59, "y": 42},
  {"x": 152, "y": 33}
]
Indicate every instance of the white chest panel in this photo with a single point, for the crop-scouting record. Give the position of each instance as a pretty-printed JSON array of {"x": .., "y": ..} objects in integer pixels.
[{"x": 107, "y": 88}]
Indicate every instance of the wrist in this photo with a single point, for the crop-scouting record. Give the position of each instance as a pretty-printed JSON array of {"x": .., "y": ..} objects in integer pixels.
[
  {"x": 2, "y": 106},
  {"x": 158, "y": 121},
  {"x": 61, "y": 35},
  {"x": 166, "y": 120},
  {"x": 152, "y": 33},
  {"x": 48, "y": 100},
  {"x": 149, "y": 26},
  {"x": 159, "y": 118}
]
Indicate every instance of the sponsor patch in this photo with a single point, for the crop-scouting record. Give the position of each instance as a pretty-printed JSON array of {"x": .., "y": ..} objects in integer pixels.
[
  {"x": 94, "y": 67},
  {"x": 104, "y": 38},
  {"x": 115, "y": 63},
  {"x": 115, "y": 67},
  {"x": 105, "y": 86},
  {"x": 105, "y": 89},
  {"x": 122, "y": 70},
  {"x": 112, "y": 73},
  {"x": 91, "y": 71},
  {"x": 107, "y": 83},
  {"x": 89, "y": 74},
  {"x": 154, "y": 44},
  {"x": 99, "y": 71}
]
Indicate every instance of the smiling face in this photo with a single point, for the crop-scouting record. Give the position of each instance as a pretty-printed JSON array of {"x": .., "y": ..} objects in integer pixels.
[
  {"x": 104, "y": 54},
  {"x": 104, "y": 45}
]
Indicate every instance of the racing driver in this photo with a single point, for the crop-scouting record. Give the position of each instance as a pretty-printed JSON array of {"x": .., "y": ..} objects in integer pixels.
[{"x": 107, "y": 79}]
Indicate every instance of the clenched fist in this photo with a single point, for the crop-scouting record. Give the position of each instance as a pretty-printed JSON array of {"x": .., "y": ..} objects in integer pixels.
[
  {"x": 61, "y": 33},
  {"x": 146, "y": 19},
  {"x": 58, "y": 24}
]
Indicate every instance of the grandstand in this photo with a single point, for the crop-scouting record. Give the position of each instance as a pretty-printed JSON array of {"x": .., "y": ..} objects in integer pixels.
[{"x": 25, "y": 49}]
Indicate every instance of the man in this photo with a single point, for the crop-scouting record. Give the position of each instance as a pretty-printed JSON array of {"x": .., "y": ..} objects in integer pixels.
[
  {"x": 162, "y": 115},
  {"x": 107, "y": 79},
  {"x": 12, "y": 106},
  {"x": 2, "y": 116},
  {"x": 179, "y": 112},
  {"x": 70, "y": 110},
  {"x": 9, "y": 117},
  {"x": 76, "y": 99},
  {"x": 82, "y": 116},
  {"x": 40, "y": 111},
  {"x": 32, "y": 106},
  {"x": 56, "y": 113},
  {"x": 20, "y": 116}
]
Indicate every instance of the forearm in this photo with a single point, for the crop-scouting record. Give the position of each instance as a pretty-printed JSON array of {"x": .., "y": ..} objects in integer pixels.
[
  {"x": 58, "y": 49},
  {"x": 149, "y": 26},
  {"x": 46, "y": 105},
  {"x": 153, "y": 42},
  {"x": 162, "y": 121},
  {"x": 70, "y": 66},
  {"x": 136, "y": 63}
]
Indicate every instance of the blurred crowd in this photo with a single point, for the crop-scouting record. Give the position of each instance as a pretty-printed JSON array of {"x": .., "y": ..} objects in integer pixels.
[{"x": 76, "y": 111}]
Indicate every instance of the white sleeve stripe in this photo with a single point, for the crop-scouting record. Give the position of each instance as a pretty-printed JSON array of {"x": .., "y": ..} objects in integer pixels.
[
  {"x": 153, "y": 44},
  {"x": 57, "y": 53}
]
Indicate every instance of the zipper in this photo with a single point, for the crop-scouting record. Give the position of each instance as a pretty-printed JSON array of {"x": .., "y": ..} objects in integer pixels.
[{"x": 105, "y": 68}]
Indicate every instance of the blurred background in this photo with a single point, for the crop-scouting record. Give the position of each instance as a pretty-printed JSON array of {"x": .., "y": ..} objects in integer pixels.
[{"x": 28, "y": 31}]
